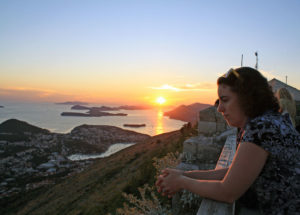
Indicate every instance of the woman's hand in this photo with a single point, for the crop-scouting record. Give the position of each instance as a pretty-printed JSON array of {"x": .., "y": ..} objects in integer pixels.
[{"x": 169, "y": 182}]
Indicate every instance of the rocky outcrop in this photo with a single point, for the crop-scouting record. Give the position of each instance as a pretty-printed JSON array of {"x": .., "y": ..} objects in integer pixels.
[{"x": 187, "y": 113}]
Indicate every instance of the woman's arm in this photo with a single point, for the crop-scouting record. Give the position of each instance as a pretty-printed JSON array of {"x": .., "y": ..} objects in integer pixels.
[
  {"x": 216, "y": 174},
  {"x": 245, "y": 168},
  {"x": 195, "y": 174}
]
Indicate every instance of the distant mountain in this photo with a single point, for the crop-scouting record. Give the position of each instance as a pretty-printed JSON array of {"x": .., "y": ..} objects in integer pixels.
[
  {"x": 80, "y": 107},
  {"x": 187, "y": 113},
  {"x": 107, "y": 108},
  {"x": 133, "y": 107},
  {"x": 72, "y": 103},
  {"x": 20, "y": 127},
  {"x": 1, "y": 106}
]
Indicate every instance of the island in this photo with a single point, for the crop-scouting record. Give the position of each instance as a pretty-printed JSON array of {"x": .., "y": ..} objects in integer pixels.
[
  {"x": 72, "y": 103},
  {"x": 107, "y": 108},
  {"x": 102, "y": 108},
  {"x": 92, "y": 114},
  {"x": 1, "y": 106},
  {"x": 134, "y": 125},
  {"x": 100, "y": 111}
]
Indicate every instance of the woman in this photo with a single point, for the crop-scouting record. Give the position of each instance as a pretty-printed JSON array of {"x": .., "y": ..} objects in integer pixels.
[
  {"x": 286, "y": 103},
  {"x": 267, "y": 157}
]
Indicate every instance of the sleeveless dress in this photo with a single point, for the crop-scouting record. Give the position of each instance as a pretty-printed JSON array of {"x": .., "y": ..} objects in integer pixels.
[{"x": 277, "y": 188}]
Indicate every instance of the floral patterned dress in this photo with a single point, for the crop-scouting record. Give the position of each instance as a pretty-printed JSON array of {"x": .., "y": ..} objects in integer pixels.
[{"x": 277, "y": 188}]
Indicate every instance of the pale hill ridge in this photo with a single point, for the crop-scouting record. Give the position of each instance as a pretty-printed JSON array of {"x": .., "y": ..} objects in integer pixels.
[{"x": 187, "y": 113}]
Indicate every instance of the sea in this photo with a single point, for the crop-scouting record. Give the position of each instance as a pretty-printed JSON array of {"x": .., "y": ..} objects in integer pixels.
[{"x": 48, "y": 116}]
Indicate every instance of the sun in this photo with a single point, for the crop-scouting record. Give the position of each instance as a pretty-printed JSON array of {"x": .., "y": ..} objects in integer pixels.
[{"x": 160, "y": 100}]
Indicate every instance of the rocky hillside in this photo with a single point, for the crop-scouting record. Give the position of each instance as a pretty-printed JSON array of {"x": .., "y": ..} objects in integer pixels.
[
  {"x": 14, "y": 126},
  {"x": 82, "y": 139},
  {"x": 32, "y": 158},
  {"x": 15, "y": 130},
  {"x": 187, "y": 113},
  {"x": 104, "y": 135},
  {"x": 97, "y": 190}
]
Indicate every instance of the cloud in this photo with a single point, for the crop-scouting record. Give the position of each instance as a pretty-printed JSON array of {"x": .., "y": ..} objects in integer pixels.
[
  {"x": 22, "y": 90},
  {"x": 166, "y": 87},
  {"x": 31, "y": 94},
  {"x": 188, "y": 87}
]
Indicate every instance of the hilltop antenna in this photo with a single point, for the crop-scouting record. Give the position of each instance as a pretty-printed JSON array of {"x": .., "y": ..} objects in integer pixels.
[
  {"x": 242, "y": 60},
  {"x": 256, "y": 65},
  {"x": 286, "y": 79}
]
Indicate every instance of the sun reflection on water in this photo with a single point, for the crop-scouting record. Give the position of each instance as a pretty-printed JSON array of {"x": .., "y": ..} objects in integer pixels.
[{"x": 159, "y": 123}]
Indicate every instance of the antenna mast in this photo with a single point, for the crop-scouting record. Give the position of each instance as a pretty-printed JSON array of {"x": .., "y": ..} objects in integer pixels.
[
  {"x": 242, "y": 60},
  {"x": 256, "y": 65}
]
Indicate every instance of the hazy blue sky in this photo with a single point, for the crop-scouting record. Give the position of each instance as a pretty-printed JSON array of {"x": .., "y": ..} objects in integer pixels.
[{"x": 134, "y": 51}]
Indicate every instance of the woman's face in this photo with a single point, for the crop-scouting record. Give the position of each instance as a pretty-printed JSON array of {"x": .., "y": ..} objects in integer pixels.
[{"x": 230, "y": 107}]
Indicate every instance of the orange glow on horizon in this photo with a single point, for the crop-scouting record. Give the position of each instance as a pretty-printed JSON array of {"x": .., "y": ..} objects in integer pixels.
[{"x": 130, "y": 96}]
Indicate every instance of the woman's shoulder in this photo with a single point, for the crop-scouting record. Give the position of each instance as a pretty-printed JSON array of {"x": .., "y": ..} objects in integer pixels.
[
  {"x": 270, "y": 126},
  {"x": 269, "y": 119}
]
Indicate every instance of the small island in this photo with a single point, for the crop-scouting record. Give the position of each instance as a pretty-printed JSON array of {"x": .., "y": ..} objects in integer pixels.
[
  {"x": 107, "y": 108},
  {"x": 101, "y": 111},
  {"x": 92, "y": 114},
  {"x": 102, "y": 108},
  {"x": 1, "y": 106},
  {"x": 72, "y": 103},
  {"x": 134, "y": 125}
]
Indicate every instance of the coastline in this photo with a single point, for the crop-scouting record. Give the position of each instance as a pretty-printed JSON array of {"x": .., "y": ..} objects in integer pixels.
[
  {"x": 47, "y": 115},
  {"x": 111, "y": 150}
]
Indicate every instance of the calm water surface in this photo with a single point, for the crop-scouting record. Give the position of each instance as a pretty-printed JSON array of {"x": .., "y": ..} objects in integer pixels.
[
  {"x": 111, "y": 150},
  {"x": 47, "y": 115}
]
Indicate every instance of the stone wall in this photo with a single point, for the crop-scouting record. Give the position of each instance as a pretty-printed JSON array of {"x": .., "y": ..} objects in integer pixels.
[
  {"x": 201, "y": 152},
  {"x": 204, "y": 151},
  {"x": 211, "y": 122}
]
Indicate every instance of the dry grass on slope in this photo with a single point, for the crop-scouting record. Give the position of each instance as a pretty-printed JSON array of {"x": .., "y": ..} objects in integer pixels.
[{"x": 98, "y": 189}]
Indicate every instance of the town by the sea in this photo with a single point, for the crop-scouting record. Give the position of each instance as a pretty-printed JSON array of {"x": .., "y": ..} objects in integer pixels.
[{"x": 48, "y": 116}]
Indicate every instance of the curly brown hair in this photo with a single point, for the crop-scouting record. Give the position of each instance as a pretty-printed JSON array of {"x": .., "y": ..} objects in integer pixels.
[{"x": 254, "y": 93}]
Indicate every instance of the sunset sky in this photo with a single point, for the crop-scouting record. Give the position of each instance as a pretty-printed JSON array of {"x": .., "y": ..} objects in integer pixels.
[{"x": 133, "y": 52}]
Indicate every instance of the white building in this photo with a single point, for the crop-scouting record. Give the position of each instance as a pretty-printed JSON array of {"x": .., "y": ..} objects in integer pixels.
[{"x": 276, "y": 84}]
